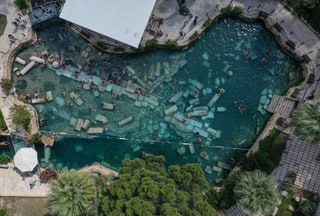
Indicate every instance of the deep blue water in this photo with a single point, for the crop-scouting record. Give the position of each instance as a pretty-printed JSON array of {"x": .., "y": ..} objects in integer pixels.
[{"x": 248, "y": 50}]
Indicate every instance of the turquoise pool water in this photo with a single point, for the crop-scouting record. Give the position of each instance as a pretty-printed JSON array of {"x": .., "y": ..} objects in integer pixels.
[{"x": 241, "y": 58}]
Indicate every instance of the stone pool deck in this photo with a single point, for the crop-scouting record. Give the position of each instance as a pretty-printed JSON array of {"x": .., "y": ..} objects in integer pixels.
[
  {"x": 12, "y": 184},
  {"x": 298, "y": 157},
  {"x": 24, "y": 36}
]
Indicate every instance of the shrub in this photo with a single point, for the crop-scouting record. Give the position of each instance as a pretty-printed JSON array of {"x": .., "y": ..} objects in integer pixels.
[
  {"x": 118, "y": 49},
  {"x": 3, "y": 212},
  {"x": 22, "y": 4},
  {"x": 194, "y": 36},
  {"x": 151, "y": 44},
  {"x": 269, "y": 154},
  {"x": 280, "y": 121},
  {"x": 232, "y": 11},
  {"x": 184, "y": 11},
  {"x": 6, "y": 84},
  {"x": 207, "y": 22},
  {"x": 172, "y": 43},
  {"x": 21, "y": 116},
  {"x": 4, "y": 159},
  {"x": 307, "y": 208},
  {"x": 48, "y": 175},
  {"x": 278, "y": 27},
  {"x": 35, "y": 138},
  {"x": 237, "y": 11},
  {"x": 226, "y": 10}
]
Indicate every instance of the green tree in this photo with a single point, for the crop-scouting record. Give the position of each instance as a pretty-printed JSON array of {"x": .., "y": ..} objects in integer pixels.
[
  {"x": 22, "y": 4},
  {"x": 306, "y": 120},
  {"x": 6, "y": 84},
  {"x": 257, "y": 192},
  {"x": 73, "y": 194},
  {"x": 145, "y": 187}
]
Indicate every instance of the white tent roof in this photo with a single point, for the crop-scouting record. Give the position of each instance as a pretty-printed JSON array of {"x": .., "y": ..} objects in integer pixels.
[
  {"x": 26, "y": 159},
  {"x": 122, "y": 20}
]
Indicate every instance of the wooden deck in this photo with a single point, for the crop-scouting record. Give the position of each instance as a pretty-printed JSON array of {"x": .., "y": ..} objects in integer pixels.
[{"x": 282, "y": 105}]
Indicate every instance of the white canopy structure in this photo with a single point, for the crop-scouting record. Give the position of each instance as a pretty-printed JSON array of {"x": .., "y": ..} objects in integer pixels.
[
  {"x": 122, "y": 20},
  {"x": 26, "y": 159}
]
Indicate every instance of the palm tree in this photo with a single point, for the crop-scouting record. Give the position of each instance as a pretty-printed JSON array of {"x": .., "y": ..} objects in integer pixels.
[
  {"x": 257, "y": 192},
  {"x": 72, "y": 194},
  {"x": 307, "y": 121}
]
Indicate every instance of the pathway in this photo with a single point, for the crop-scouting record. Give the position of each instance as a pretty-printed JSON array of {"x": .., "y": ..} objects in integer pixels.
[
  {"x": 12, "y": 184},
  {"x": 22, "y": 33}
]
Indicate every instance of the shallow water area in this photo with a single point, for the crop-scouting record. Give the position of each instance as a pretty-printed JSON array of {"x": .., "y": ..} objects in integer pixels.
[{"x": 221, "y": 87}]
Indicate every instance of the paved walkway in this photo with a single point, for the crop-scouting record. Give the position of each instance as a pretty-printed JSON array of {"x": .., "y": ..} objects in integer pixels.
[
  {"x": 100, "y": 169},
  {"x": 12, "y": 184},
  {"x": 299, "y": 158},
  {"x": 21, "y": 33}
]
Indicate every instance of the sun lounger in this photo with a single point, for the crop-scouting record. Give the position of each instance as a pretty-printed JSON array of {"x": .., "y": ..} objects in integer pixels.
[
  {"x": 95, "y": 130},
  {"x": 101, "y": 118},
  {"x": 125, "y": 121},
  {"x": 38, "y": 100},
  {"x": 108, "y": 106},
  {"x": 79, "y": 124}
]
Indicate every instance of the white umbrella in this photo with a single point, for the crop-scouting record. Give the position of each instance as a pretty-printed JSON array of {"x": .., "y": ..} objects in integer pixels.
[{"x": 26, "y": 159}]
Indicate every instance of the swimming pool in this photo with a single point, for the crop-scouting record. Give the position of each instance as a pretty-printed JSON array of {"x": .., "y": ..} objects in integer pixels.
[{"x": 235, "y": 67}]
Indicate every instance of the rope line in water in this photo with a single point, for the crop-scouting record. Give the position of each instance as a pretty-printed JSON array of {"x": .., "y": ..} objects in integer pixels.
[{"x": 147, "y": 141}]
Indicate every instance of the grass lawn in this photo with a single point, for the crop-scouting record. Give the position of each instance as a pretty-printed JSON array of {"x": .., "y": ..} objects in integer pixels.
[
  {"x": 3, "y": 23},
  {"x": 312, "y": 16},
  {"x": 26, "y": 206},
  {"x": 283, "y": 207},
  {"x": 288, "y": 200}
]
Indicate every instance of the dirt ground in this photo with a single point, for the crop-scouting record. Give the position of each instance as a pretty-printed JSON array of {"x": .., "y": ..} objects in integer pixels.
[{"x": 24, "y": 206}]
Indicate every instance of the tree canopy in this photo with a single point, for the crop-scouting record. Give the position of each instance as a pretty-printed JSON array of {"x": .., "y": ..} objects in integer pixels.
[
  {"x": 257, "y": 192},
  {"x": 306, "y": 120},
  {"x": 145, "y": 188},
  {"x": 72, "y": 194}
]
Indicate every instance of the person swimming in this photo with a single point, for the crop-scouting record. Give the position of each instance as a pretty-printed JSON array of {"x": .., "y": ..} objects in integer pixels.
[{"x": 240, "y": 105}]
